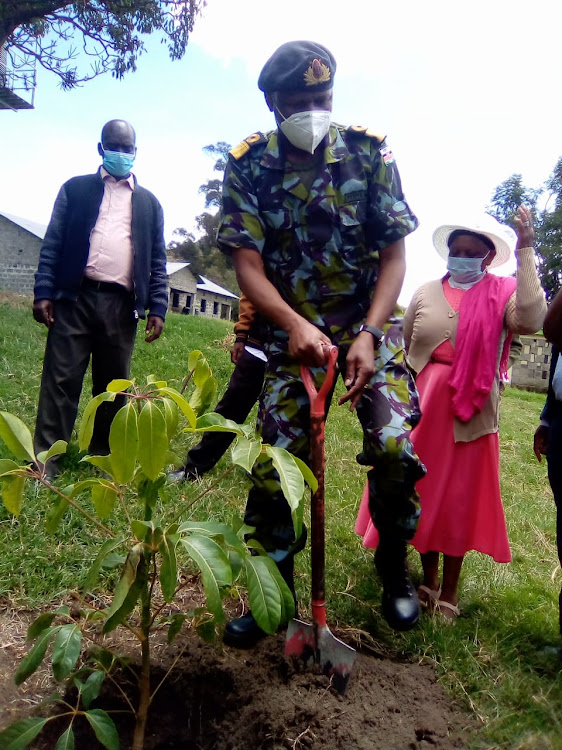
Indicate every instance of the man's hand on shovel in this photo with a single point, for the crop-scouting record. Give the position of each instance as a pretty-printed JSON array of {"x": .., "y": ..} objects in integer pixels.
[{"x": 359, "y": 368}]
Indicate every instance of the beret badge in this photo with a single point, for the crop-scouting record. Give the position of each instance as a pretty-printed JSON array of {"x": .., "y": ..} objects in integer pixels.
[{"x": 316, "y": 73}]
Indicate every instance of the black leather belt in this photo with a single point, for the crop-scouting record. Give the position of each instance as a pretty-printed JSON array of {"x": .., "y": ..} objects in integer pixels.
[{"x": 103, "y": 286}]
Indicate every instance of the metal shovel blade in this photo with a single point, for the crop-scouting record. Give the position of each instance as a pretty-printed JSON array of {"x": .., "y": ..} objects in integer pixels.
[{"x": 334, "y": 657}]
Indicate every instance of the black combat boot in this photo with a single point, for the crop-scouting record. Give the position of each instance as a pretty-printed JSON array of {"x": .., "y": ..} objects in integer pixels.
[
  {"x": 400, "y": 605},
  {"x": 244, "y": 632}
]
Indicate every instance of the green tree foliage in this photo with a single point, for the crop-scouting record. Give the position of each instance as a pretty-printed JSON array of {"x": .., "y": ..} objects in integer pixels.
[
  {"x": 546, "y": 205},
  {"x": 110, "y": 33},
  {"x": 202, "y": 253}
]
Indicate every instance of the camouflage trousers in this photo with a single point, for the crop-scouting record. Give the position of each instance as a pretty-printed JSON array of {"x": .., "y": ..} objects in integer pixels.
[{"x": 387, "y": 412}]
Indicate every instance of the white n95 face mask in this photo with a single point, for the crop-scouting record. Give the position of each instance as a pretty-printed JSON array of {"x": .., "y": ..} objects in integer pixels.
[{"x": 305, "y": 130}]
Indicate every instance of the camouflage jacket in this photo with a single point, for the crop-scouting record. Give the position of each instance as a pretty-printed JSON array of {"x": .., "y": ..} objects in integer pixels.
[{"x": 320, "y": 247}]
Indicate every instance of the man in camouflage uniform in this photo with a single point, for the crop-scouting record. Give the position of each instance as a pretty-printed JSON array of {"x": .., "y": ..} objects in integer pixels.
[{"x": 315, "y": 219}]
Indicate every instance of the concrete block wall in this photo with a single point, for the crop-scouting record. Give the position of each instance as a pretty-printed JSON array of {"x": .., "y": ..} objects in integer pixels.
[
  {"x": 19, "y": 256},
  {"x": 532, "y": 368}
]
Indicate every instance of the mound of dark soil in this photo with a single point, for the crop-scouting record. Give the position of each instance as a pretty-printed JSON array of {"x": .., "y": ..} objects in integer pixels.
[{"x": 258, "y": 700}]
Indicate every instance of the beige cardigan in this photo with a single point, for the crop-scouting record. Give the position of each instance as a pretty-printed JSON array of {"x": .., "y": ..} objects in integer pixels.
[{"x": 429, "y": 321}]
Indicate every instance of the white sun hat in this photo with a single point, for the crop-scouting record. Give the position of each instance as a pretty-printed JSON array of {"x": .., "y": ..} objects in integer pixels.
[{"x": 503, "y": 237}]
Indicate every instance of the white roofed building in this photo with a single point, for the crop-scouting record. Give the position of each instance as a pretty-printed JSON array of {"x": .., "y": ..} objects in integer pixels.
[{"x": 197, "y": 295}]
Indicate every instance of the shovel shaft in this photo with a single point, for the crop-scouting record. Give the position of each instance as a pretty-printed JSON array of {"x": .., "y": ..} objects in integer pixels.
[{"x": 317, "y": 461}]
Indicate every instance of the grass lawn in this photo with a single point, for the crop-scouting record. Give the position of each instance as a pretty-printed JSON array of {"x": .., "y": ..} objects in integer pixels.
[{"x": 498, "y": 659}]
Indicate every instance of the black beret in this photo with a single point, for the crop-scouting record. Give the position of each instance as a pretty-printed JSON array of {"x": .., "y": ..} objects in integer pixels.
[{"x": 298, "y": 66}]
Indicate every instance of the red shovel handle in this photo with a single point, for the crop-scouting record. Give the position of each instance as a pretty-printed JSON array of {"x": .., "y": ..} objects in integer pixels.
[
  {"x": 317, "y": 460},
  {"x": 318, "y": 398}
]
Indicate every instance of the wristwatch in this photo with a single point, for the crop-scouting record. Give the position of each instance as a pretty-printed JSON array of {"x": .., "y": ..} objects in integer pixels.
[{"x": 376, "y": 333}]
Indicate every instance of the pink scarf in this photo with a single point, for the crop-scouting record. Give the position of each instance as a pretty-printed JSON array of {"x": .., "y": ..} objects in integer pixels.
[{"x": 481, "y": 317}]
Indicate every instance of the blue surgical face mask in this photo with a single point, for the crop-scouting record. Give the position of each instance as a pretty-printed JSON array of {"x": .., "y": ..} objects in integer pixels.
[
  {"x": 118, "y": 163},
  {"x": 465, "y": 270}
]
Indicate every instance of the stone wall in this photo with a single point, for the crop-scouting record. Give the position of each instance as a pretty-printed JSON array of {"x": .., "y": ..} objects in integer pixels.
[
  {"x": 531, "y": 370},
  {"x": 19, "y": 256}
]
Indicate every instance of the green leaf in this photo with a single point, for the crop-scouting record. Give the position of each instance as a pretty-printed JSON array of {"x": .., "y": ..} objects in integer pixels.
[
  {"x": 56, "y": 449},
  {"x": 12, "y": 493},
  {"x": 213, "y": 529},
  {"x": 40, "y": 624},
  {"x": 66, "y": 650},
  {"x": 292, "y": 482},
  {"x": 213, "y": 422},
  {"x": 203, "y": 395},
  {"x": 267, "y": 593},
  {"x": 107, "y": 547},
  {"x": 113, "y": 560},
  {"x": 297, "y": 514},
  {"x": 153, "y": 440},
  {"x": 127, "y": 579},
  {"x": 123, "y": 443},
  {"x": 193, "y": 358},
  {"x": 151, "y": 380},
  {"x": 104, "y": 499},
  {"x": 87, "y": 424},
  {"x": 66, "y": 740},
  {"x": 119, "y": 384},
  {"x": 127, "y": 595},
  {"x": 183, "y": 404},
  {"x": 104, "y": 728},
  {"x": 215, "y": 570},
  {"x": 16, "y": 436},
  {"x": 7, "y": 466},
  {"x": 91, "y": 688},
  {"x": 235, "y": 563},
  {"x": 307, "y": 473},
  {"x": 140, "y": 529},
  {"x": 172, "y": 416},
  {"x": 33, "y": 658},
  {"x": 169, "y": 567},
  {"x": 102, "y": 462},
  {"x": 55, "y": 513},
  {"x": 19, "y": 735},
  {"x": 206, "y": 630},
  {"x": 175, "y": 626},
  {"x": 245, "y": 452}
]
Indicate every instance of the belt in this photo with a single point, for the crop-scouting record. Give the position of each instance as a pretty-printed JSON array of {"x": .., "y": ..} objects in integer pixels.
[{"x": 103, "y": 286}]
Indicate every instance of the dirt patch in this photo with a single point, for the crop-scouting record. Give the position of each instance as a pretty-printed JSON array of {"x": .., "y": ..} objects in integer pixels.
[
  {"x": 14, "y": 299},
  {"x": 226, "y": 699}
]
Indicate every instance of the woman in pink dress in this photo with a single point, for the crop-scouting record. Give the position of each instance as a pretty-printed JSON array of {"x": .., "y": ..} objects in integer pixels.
[{"x": 457, "y": 332}]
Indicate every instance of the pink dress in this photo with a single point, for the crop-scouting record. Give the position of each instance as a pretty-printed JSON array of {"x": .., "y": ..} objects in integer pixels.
[{"x": 460, "y": 495}]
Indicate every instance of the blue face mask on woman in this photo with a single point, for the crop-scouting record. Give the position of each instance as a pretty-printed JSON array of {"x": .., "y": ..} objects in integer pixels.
[
  {"x": 118, "y": 163},
  {"x": 465, "y": 270}
]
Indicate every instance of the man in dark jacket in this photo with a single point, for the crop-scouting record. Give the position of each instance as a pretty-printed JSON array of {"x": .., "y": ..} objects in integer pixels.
[{"x": 102, "y": 265}]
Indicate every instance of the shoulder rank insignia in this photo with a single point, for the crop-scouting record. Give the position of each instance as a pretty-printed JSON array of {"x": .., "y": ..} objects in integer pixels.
[{"x": 242, "y": 148}]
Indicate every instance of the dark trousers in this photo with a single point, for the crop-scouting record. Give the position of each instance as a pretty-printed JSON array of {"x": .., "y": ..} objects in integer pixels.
[
  {"x": 100, "y": 324},
  {"x": 243, "y": 391},
  {"x": 554, "y": 459}
]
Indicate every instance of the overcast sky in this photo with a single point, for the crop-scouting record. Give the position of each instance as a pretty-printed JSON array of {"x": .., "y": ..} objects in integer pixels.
[{"x": 466, "y": 94}]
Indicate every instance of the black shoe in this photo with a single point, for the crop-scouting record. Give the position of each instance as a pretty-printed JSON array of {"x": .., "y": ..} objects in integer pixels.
[
  {"x": 400, "y": 604},
  {"x": 244, "y": 632}
]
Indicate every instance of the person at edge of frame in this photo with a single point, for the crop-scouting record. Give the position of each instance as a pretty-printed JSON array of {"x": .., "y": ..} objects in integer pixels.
[
  {"x": 314, "y": 216},
  {"x": 548, "y": 436}
]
